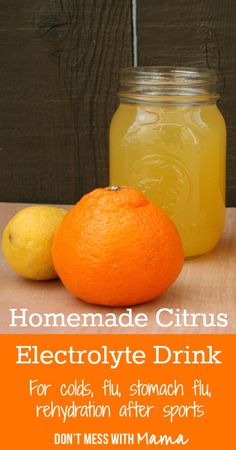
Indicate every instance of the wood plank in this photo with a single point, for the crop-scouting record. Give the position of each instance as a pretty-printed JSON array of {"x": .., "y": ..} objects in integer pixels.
[
  {"x": 58, "y": 84},
  {"x": 206, "y": 285},
  {"x": 198, "y": 33}
]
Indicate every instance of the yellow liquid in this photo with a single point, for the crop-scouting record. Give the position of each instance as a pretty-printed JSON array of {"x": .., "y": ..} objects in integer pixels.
[{"x": 176, "y": 156}]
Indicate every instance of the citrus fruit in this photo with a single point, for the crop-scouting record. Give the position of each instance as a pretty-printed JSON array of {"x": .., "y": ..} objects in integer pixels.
[
  {"x": 27, "y": 241},
  {"x": 116, "y": 248}
]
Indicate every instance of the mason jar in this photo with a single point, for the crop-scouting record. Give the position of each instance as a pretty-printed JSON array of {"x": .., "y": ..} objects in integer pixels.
[{"x": 168, "y": 139}]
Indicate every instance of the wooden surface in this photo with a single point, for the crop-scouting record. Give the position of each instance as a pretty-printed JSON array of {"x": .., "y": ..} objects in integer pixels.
[
  {"x": 58, "y": 82},
  {"x": 200, "y": 33},
  {"x": 206, "y": 285},
  {"x": 59, "y": 76}
]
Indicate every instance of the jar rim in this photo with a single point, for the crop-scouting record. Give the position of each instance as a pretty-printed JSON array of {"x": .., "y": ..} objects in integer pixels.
[
  {"x": 167, "y": 84},
  {"x": 168, "y": 75}
]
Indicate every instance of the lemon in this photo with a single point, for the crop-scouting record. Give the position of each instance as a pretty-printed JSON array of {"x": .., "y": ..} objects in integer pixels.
[{"x": 27, "y": 241}]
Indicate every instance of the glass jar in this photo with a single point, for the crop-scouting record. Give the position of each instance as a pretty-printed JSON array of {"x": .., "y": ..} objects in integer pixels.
[{"x": 168, "y": 139}]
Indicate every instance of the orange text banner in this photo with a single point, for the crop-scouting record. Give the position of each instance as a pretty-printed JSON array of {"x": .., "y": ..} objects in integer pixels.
[{"x": 107, "y": 391}]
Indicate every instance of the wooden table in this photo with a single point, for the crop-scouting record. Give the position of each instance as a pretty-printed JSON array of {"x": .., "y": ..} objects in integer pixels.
[{"x": 207, "y": 284}]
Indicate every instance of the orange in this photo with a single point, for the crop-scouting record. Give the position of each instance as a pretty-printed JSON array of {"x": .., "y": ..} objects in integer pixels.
[{"x": 116, "y": 248}]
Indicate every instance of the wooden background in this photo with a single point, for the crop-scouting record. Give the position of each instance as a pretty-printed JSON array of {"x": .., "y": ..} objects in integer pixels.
[{"x": 58, "y": 81}]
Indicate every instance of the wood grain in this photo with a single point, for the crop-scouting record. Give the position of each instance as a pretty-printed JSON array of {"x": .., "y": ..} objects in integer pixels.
[
  {"x": 206, "y": 285},
  {"x": 58, "y": 80},
  {"x": 200, "y": 33}
]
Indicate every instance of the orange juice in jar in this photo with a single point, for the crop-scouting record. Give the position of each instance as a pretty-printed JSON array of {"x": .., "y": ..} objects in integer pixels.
[{"x": 168, "y": 139}]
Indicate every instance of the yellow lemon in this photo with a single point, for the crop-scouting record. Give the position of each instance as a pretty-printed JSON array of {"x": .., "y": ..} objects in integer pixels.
[{"x": 27, "y": 241}]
